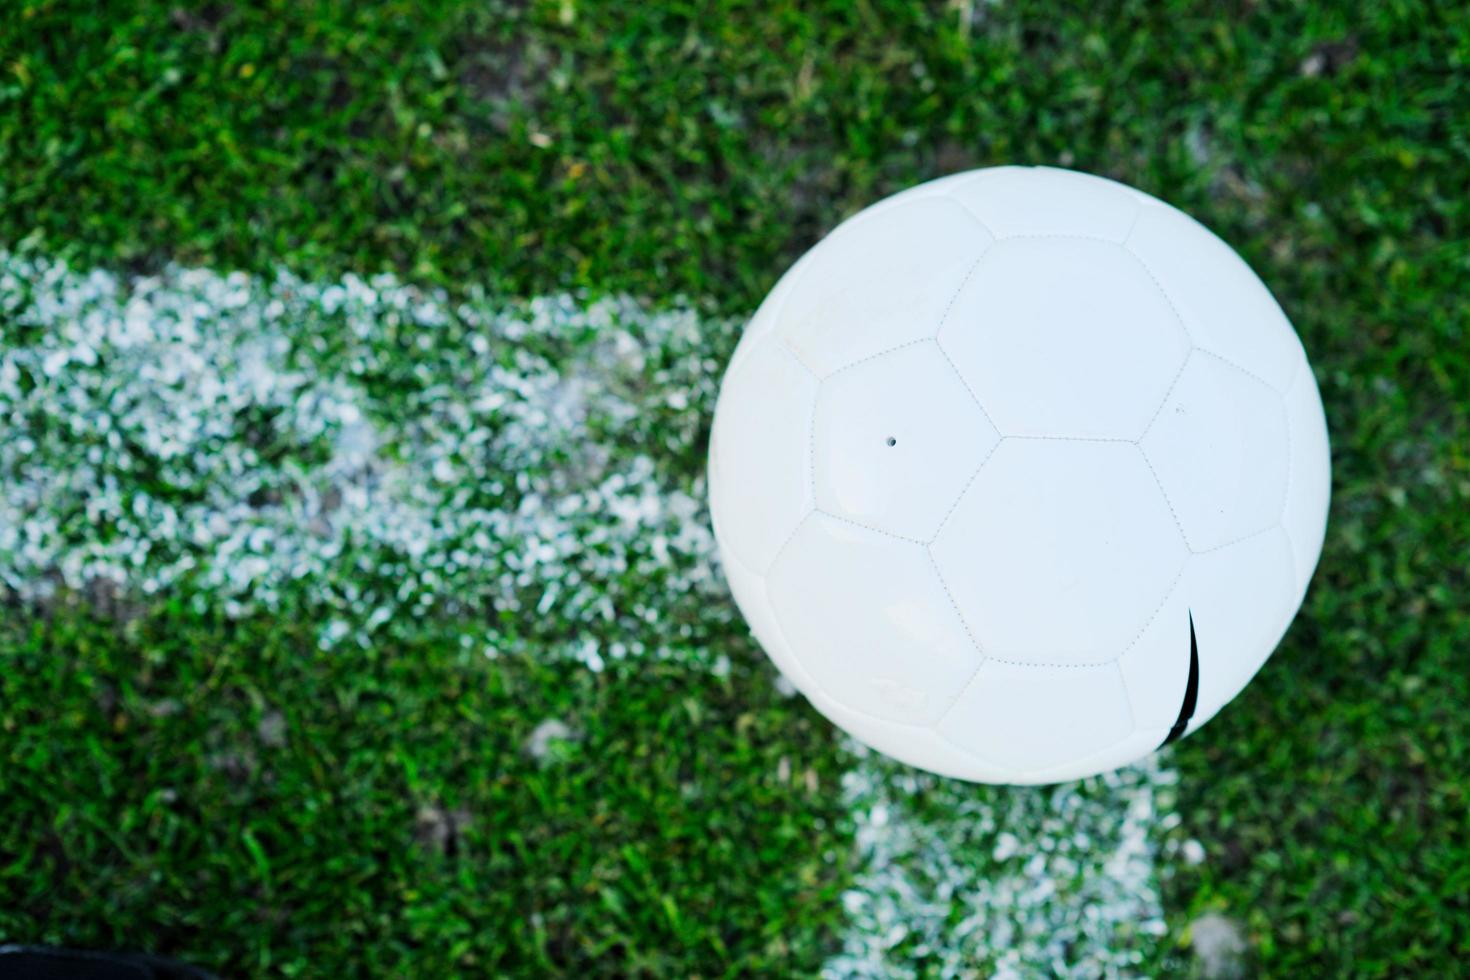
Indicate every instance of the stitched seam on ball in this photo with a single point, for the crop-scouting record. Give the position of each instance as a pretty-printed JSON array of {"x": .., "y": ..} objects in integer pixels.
[
  {"x": 953, "y": 604},
  {"x": 778, "y": 312},
  {"x": 1044, "y": 236},
  {"x": 1013, "y": 663},
  {"x": 973, "y": 642},
  {"x": 868, "y": 527},
  {"x": 1242, "y": 369},
  {"x": 963, "y": 490},
  {"x": 949, "y": 307},
  {"x": 1148, "y": 271},
  {"x": 1138, "y": 207},
  {"x": 787, "y": 543},
  {"x": 1165, "y": 400},
  {"x": 944, "y": 318},
  {"x": 956, "y": 369},
  {"x": 882, "y": 353},
  {"x": 1018, "y": 437},
  {"x": 765, "y": 594},
  {"x": 1168, "y": 594},
  {"x": 1090, "y": 664},
  {"x": 1091, "y": 759},
  {"x": 954, "y": 701},
  {"x": 1167, "y": 502},
  {"x": 971, "y": 754},
  {"x": 1244, "y": 537},
  {"x": 781, "y": 632},
  {"x": 795, "y": 356},
  {"x": 862, "y": 712},
  {"x": 965, "y": 207},
  {"x": 726, "y": 556},
  {"x": 1296, "y": 371},
  {"x": 1128, "y": 700},
  {"x": 815, "y": 684}
]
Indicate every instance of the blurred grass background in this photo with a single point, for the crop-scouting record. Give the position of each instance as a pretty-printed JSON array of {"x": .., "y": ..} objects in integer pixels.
[{"x": 696, "y": 149}]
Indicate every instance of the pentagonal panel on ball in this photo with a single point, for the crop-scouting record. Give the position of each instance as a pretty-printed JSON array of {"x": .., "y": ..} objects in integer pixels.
[
  {"x": 1224, "y": 305},
  {"x": 1059, "y": 551},
  {"x": 914, "y": 745},
  {"x": 1029, "y": 718},
  {"x": 869, "y": 621},
  {"x": 1219, "y": 448},
  {"x": 1155, "y": 664},
  {"x": 760, "y": 473},
  {"x": 882, "y": 279},
  {"x": 1064, "y": 337},
  {"x": 1242, "y": 598},
  {"x": 749, "y": 590},
  {"x": 1134, "y": 747},
  {"x": 1048, "y": 201},
  {"x": 768, "y": 315},
  {"x": 895, "y": 440}
]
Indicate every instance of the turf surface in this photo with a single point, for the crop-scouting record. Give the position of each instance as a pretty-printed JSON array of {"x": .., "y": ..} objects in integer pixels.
[
  {"x": 232, "y": 793},
  {"x": 672, "y": 149}
]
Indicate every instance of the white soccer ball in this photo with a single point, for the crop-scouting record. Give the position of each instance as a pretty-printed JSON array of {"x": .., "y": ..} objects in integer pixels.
[{"x": 1019, "y": 474}]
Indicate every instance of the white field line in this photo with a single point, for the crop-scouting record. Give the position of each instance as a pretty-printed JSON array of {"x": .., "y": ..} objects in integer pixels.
[
  {"x": 1011, "y": 882},
  {"x": 366, "y": 446},
  {"x": 386, "y": 456}
]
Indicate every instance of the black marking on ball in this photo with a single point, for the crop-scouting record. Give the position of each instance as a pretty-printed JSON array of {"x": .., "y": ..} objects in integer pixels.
[{"x": 1191, "y": 689}]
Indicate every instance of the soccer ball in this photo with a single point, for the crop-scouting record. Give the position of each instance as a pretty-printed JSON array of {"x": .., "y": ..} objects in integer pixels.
[{"x": 1019, "y": 475}]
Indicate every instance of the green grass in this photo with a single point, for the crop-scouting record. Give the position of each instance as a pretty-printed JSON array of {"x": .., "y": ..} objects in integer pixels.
[
  {"x": 663, "y": 149},
  {"x": 228, "y": 792}
]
